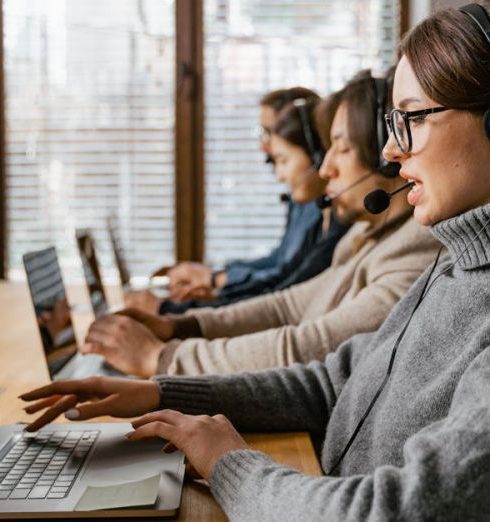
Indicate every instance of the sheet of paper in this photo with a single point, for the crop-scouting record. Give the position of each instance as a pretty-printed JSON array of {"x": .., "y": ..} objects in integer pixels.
[{"x": 137, "y": 493}]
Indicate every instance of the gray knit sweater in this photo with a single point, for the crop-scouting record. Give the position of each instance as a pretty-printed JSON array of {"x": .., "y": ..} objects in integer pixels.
[{"x": 424, "y": 451}]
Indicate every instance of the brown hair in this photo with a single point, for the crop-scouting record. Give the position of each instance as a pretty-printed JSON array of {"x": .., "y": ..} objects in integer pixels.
[
  {"x": 290, "y": 126},
  {"x": 278, "y": 99},
  {"x": 451, "y": 59},
  {"x": 360, "y": 98}
]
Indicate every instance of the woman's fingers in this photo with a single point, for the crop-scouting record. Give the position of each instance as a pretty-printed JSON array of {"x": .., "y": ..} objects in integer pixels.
[
  {"x": 107, "y": 406},
  {"x": 91, "y": 387},
  {"x": 168, "y": 416},
  {"x": 62, "y": 388},
  {"x": 44, "y": 403},
  {"x": 65, "y": 403},
  {"x": 151, "y": 430}
]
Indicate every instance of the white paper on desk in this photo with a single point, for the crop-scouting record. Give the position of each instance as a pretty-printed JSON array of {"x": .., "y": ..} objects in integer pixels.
[{"x": 129, "y": 494}]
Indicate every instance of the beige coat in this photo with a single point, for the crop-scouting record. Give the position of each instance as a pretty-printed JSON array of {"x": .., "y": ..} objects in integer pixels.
[{"x": 371, "y": 270}]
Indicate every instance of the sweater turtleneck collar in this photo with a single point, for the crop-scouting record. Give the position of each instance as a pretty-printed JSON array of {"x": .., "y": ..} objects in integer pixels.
[{"x": 458, "y": 235}]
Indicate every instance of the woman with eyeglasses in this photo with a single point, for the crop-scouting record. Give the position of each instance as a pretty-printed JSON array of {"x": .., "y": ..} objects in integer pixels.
[{"x": 407, "y": 408}]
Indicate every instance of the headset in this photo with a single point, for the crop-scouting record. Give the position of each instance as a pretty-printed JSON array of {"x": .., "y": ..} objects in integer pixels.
[
  {"x": 480, "y": 17},
  {"x": 315, "y": 149},
  {"x": 386, "y": 168}
]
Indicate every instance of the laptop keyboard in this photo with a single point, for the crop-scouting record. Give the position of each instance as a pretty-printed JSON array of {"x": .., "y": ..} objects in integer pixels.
[{"x": 45, "y": 465}]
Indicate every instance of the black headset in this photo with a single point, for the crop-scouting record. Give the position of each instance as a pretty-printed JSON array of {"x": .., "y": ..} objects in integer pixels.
[
  {"x": 480, "y": 17},
  {"x": 315, "y": 150},
  {"x": 386, "y": 168}
]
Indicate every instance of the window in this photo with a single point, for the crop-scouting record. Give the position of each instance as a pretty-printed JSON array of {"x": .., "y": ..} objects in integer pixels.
[
  {"x": 255, "y": 46},
  {"x": 89, "y": 115}
]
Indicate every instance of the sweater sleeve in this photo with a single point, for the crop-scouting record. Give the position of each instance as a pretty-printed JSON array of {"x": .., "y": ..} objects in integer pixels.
[
  {"x": 310, "y": 340},
  {"x": 256, "y": 314},
  {"x": 284, "y": 399},
  {"x": 445, "y": 475}
]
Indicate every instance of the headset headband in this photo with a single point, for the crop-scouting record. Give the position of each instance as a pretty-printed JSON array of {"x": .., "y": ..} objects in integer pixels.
[
  {"x": 316, "y": 153},
  {"x": 479, "y": 15}
]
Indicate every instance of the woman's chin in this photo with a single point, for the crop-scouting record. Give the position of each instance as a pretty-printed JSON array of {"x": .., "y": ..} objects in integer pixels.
[{"x": 424, "y": 218}]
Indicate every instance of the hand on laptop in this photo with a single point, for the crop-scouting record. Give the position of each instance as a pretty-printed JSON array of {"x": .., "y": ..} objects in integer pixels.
[
  {"x": 189, "y": 273},
  {"x": 161, "y": 326},
  {"x": 203, "y": 439},
  {"x": 183, "y": 293},
  {"x": 142, "y": 300},
  {"x": 92, "y": 397},
  {"x": 126, "y": 344}
]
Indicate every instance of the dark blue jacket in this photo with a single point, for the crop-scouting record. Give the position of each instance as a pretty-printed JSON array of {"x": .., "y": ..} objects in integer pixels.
[{"x": 304, "y": 252}]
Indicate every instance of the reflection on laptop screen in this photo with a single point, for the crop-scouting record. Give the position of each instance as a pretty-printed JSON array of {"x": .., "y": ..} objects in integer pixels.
[
  {"x": 51, "y": 307},
  {"x": 91, "y": 271}
]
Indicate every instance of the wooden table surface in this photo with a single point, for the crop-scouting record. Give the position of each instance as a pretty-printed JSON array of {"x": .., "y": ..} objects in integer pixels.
[{"x": 22, "y": 367}]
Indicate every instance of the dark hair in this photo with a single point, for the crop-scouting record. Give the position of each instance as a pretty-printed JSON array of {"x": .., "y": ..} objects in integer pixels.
[
  {"x": 359, "y": 96},
  {"x": 277, "y": 100},
  {"x": 451, "y": 59},
  {"x": 290, "y": 126}
]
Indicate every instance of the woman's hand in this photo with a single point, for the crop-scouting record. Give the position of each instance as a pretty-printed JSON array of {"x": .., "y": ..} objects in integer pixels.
[
  {"x": 201, "y": 438},
  {"x": 92, "y": 397},
  {"x": 142, "y": 300},
  {"x": 125, "y": 343},
  {"x": 189, "y": 273},
  {"x": 161, "y": 326}
]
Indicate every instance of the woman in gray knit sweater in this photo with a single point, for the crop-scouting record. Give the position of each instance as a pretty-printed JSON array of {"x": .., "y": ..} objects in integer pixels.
[{"x": 423, "y": 450}]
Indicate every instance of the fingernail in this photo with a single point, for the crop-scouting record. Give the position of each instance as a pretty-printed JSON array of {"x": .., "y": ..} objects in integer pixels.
[
  {"x": 72, "y": 414},
  {"x": 128, "y": 435}
]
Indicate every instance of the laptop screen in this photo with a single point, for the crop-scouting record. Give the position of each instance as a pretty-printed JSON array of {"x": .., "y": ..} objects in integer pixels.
[
  {"x": 91, "y": 271},
  {"x": 51, "y": 307},
  {"x": 118, "y": 255}
]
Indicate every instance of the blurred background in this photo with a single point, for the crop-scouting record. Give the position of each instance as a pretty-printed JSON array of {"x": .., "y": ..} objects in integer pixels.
[{"x": 146, "y": 111}]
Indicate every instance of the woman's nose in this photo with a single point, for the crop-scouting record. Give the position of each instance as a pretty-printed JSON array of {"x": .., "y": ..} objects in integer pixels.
[
  {"x": 326, "y": 170},
  {"x": 391, "y": 150}
]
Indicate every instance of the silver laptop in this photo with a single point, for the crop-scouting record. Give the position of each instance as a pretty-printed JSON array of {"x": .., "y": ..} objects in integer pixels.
[
  {"x": 46, "y": 475},
  {"x": 54, "y": 320},
  {"x": 91, "y": 271}
]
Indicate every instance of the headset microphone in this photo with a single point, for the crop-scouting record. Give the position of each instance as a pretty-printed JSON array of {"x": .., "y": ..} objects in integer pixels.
[
  {"x": 327, "y": 201},
  {"x": 284, "y": 197},
  {"x": 378, "y": 200}
]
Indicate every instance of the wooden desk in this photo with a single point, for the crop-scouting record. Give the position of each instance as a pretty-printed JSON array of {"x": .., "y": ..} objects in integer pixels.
[{"x": 22, "y": 367}]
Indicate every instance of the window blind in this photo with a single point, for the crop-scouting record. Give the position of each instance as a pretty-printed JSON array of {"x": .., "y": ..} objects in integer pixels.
[
  {"x": 251, "y": 48},
  {"x": 90, "y": 119}
]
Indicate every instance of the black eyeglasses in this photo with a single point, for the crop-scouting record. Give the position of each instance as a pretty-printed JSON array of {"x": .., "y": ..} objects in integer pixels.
[{"x": 398, "y": 122}]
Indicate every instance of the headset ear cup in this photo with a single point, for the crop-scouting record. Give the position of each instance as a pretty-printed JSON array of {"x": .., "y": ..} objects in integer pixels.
[{"x": 486, "y": 123}]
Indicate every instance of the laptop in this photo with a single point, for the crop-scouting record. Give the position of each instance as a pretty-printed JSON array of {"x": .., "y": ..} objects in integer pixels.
[
  {"x": 54, "y": 321},
  {"x": 91, "y": 271},
  {"x": 59, "y": 472},
  {"x": 158, "y": 285}
]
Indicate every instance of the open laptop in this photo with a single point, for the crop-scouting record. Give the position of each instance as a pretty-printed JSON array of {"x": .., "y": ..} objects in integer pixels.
[
  {"x": 91, "y": 271},
  {"x": 54, "y": 320},
  {"x": 59, "y": 472},
  {"x": 157, "y": 285}
]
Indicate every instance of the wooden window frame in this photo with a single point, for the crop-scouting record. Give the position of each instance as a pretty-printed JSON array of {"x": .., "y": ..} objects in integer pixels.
[{"x": 189, "y": 131}]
